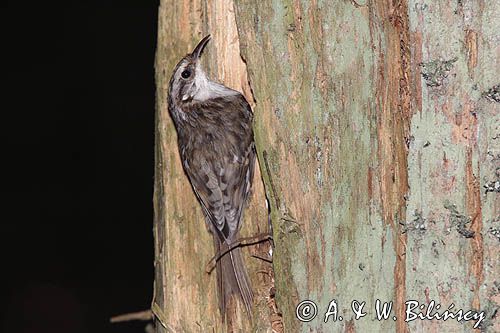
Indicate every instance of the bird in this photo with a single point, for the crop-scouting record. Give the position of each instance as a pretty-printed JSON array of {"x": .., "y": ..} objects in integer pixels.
[{"x": 217, "y": 149}]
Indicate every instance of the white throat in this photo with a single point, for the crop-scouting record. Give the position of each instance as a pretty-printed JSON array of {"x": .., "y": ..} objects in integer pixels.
[{"x": 204, "y": 89}]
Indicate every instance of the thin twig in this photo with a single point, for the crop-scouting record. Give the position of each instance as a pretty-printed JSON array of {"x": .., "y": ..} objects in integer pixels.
[
  {"x": 160, "y": 316},
  {"x": 245, "y": 241},
  {"x": 141, "y": 315},
  {"x": 356, "y": 4},
  {"x": 263, "y": 258}
]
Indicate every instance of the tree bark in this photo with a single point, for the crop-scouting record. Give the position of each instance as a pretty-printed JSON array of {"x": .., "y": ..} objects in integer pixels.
[{"x": 377, "y": 127}]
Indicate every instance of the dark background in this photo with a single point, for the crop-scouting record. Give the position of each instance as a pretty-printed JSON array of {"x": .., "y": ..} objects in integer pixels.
[{"x": 78, "y": 142}]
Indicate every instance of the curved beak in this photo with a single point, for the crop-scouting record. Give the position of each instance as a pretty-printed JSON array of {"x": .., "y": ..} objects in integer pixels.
[{"x": 198, "y": 50}]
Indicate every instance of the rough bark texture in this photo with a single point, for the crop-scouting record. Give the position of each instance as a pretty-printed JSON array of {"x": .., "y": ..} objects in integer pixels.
[{"x": 378, "y": 133}]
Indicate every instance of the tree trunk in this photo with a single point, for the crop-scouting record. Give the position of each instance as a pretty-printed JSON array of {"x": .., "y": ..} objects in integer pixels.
[{"x": 377, "y": 126}]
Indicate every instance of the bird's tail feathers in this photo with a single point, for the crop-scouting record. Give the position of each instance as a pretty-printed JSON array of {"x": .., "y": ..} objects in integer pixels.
[{"x": 232, "y": 278}]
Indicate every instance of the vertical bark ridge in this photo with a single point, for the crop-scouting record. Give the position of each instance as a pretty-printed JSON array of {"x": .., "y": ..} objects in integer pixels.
[{"x": 394, "y": 101}]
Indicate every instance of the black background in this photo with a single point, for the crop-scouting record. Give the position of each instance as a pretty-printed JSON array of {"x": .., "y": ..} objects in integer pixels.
[{"x": 78, "y": 142}]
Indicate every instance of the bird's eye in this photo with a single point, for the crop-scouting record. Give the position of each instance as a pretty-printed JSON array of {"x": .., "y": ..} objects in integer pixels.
[{"x": 186, "y": 73}]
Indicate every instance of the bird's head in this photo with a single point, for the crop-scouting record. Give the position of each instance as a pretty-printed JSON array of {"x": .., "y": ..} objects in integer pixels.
[{"x": 189, "y": 81}]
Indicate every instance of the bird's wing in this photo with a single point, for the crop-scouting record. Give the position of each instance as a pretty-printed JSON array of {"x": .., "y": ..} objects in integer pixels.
[{"x": 221, "y": 174}]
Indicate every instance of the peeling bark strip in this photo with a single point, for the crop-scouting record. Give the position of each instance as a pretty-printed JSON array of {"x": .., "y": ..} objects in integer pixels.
[
  {"x": 473, "y": 198},
  {"x": 471, "y": 45},
  {"x": 394, "y": 100}
]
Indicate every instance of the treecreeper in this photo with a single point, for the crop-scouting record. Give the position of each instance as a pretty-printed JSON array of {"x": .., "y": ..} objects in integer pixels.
[{"x": 217, "y": 150}]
